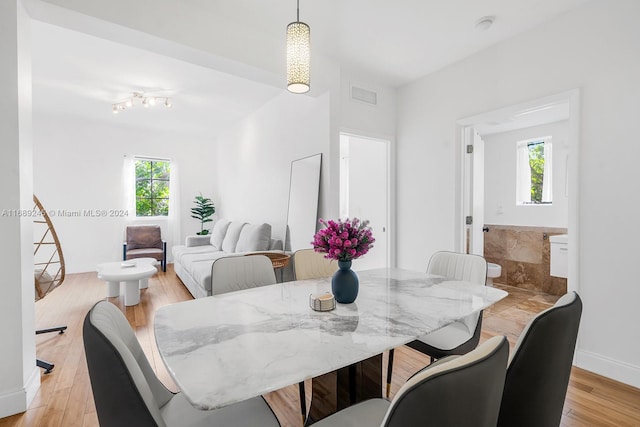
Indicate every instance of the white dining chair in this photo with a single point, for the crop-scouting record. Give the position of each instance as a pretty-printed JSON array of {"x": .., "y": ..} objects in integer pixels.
[
  {"x": 236, "y": 273},
  {"x": 309, "y": 264},
  {"x": 463, "y": 335}
]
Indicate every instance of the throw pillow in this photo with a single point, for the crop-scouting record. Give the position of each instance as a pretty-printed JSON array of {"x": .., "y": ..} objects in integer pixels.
[
  {"x": 231, "y": 238},
  {"x": 218, "y": 233},
  {"x": 254, "y": 238}
]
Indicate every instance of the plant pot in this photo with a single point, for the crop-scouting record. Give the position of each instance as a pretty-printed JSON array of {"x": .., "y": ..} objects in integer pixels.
[{"x": 345, "y": 283}]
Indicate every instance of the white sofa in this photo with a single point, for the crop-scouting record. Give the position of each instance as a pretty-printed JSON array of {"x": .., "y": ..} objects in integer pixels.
[{"x": 192, "y": 262}]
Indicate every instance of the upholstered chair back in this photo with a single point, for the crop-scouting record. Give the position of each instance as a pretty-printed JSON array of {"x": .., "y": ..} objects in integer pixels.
[
  {"x": 459, "y": 391},
  {"x": 235, "y": 273},
  {"x": 540, "y": 366},
  {"x": 309, "y": 264},
  {"x": 458, "y": 266},
  {"x": 144, "y": 237},
  {"x": 125, "y": 388},
  {"x": 465, "y": 267}
]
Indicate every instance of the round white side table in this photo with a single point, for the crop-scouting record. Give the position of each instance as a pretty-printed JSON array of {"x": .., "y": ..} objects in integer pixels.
[
  {"x": 144, "y": 283},
  {"x": 134, "y": 278}
]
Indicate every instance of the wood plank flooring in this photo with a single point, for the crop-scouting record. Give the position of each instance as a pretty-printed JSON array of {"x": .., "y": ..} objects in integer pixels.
[{"x": 65, "y": 397}]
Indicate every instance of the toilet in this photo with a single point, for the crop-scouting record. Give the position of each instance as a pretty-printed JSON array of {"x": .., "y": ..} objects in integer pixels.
[{"x": 493, "y": 271}]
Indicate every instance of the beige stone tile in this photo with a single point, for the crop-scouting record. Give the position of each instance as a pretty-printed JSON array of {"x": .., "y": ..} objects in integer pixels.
[
  {"x": 545, "y": 298},
  {"x": 532, "y": 306}
]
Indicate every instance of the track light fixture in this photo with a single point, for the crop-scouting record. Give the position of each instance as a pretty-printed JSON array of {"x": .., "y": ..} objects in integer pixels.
[{"x": 140, "y": 98}]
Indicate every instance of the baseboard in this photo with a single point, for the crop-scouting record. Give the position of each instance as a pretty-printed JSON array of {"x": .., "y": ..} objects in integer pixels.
[
  {"x": 33, "y": 385},
  {"x": 18, "y": 401},
  {"x": 616, "y": 370}
]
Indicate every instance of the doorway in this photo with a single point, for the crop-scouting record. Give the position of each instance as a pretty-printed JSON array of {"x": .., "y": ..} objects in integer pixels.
[
  {"x": 476, "y": 130},
  {"x": 364, "y": 192}
]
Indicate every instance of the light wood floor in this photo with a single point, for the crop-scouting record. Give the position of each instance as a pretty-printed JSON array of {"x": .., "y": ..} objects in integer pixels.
[{"x": 65, "y": 397}]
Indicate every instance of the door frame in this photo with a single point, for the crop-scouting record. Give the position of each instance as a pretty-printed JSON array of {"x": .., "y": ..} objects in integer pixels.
[{"x": 573, "y": 98}]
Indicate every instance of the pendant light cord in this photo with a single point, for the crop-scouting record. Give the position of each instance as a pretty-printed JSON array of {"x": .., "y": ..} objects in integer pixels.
[{"x": 298, "y": 11}]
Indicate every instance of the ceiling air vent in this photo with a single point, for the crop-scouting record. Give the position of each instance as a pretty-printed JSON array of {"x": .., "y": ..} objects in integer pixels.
[{"x": 364, "y": 95}]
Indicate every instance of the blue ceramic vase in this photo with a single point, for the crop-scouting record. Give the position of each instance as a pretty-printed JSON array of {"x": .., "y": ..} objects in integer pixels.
[{"x": 345, "y": 283}]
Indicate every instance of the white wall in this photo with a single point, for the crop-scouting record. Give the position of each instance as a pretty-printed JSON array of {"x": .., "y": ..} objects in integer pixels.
[
  {"x": 19, "y": 378},
  {"x": 500, "y": 179},
  {"x": 254, "y": 158},
  {"x": 78, "y": 165},
  {"x": 594, "y": 48}
]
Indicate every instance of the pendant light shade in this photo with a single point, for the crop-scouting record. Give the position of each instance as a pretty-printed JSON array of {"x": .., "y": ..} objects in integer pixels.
[{"x": 298, "y": 56}]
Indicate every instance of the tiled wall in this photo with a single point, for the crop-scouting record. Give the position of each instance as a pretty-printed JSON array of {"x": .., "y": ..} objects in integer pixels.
[{"x": 524, "y": 254}]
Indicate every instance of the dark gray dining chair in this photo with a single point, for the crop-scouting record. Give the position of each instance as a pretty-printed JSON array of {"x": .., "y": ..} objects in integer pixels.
[
  {"x": 459, "y": 391},
  {"x": 540, "y": 367},
  {"x": 463, "y": 335},
  {"x": 127, "y": 392}
]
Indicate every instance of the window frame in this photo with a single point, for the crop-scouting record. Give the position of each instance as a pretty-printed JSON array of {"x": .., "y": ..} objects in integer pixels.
[
  {"x": 529, "y": 142},
  {"x": 151, "y": 179}
]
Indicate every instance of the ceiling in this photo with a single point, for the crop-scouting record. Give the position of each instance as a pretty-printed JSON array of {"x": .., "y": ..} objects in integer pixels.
[
  {"x": 394, "y": 42},
  {"x": 78, "y": 75}
]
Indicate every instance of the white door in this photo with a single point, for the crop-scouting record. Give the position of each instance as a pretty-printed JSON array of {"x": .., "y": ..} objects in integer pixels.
[
  {"x": 477, "y": 196},
  {"x": 364, "y": 192},
  {"x": 473, "y": 180}
]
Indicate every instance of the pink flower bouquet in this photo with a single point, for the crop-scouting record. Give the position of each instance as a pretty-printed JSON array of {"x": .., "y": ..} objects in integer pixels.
[{"x": 343, "y": 240}]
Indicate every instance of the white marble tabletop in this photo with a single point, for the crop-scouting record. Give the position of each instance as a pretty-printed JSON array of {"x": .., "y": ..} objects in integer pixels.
[{"x": 231, "y": 347}]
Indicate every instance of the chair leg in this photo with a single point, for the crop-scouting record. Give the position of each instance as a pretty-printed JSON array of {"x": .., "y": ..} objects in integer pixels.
[
  {"x": 389, "y": 371},
  {"x": 45, "y": 365},
  {"x": 303, "y": 402},
  {"x": 58, "y": 329},
  {"x": 48, "y": 367}
]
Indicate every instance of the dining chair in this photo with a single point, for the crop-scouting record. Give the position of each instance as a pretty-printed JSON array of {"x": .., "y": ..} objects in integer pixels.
[
  {"x": 540, "y": 366},
  {"x": 458, "y": 391},
  {"x": 309, "y": 264},
  {"x": 145, "y": 241},
  {"x": 463, "y": 335},
  {"x": 235, "y": 273},
  {"x": 127, "y": 392}
]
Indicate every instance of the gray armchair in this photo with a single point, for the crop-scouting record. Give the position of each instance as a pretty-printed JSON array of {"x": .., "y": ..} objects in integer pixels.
[{"x": 145, "y": 241}]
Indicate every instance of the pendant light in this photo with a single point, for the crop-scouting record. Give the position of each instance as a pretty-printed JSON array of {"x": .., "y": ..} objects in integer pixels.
[{"x": 298, "y": 55}]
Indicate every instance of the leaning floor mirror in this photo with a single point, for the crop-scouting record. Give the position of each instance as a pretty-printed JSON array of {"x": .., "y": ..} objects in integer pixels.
[{"x": 302, "y": 213}]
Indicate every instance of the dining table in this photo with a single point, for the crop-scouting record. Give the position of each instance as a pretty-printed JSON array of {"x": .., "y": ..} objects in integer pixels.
[{"x": 227, "y": 348}]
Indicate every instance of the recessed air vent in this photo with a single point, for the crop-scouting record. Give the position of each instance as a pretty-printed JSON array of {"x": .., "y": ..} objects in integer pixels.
[{"x": 364, "y": 95}]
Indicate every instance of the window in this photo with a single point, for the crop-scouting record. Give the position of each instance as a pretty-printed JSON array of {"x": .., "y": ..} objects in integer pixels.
[
  {"x": 152, "y": 187},
  {"x": 534, "y": 177}
]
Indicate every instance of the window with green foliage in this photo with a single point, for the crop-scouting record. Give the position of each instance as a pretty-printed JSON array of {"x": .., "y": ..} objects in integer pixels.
[
  {"x": 152, "y": 187},
  {"x": 536, "y": 162},
  {"x": 534, "y": 172}
]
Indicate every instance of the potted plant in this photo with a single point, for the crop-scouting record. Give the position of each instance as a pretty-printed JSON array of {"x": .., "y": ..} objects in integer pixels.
[{"x": 203, "y": 211}]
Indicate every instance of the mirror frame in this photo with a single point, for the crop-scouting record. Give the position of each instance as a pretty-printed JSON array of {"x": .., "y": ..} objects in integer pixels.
[{"x": 308, "y": 191}]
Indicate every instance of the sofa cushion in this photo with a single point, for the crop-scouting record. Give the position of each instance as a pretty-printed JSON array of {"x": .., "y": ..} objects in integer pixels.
[
  {"x": 192, "y": 241},
  {"x": 231, "y": 238},
  {"x": 179, "y": 251},
  {"x": 254, "y": 237},
  {"x": 218, "y": 233},
  {"x": 200, "y": 269}
]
